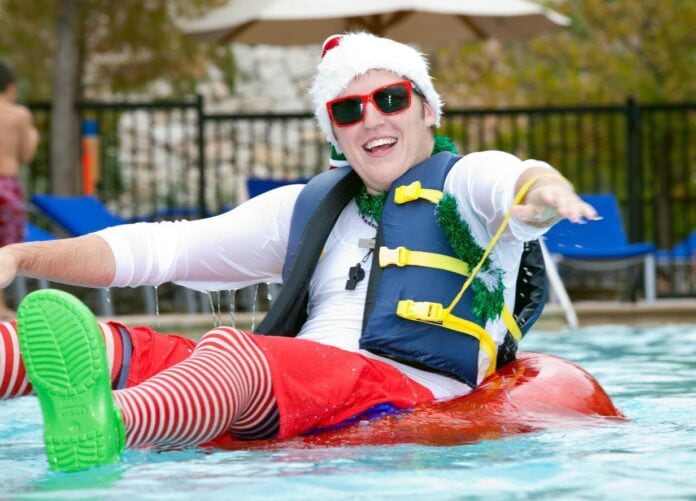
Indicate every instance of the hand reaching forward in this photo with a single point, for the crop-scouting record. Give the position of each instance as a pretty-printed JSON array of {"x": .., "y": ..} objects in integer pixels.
[
  {"x": 8, "y": 267},
  {"x": 550, "y": 199}
]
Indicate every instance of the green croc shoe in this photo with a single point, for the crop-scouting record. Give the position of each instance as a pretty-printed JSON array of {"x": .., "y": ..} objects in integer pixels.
[{"x": 65, "y": 359}]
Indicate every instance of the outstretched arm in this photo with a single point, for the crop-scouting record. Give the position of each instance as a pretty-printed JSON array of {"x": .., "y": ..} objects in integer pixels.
[
  {"x": 550, "y": 198},
  {"x": 86, "y": 261}
]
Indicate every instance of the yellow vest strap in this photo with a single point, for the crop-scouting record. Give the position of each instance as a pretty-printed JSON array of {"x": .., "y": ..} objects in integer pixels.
[
  {"x": 434, "y": 313},
  {"x": 401, "y": 256},
  {"x": 511, "y": 323},
  {"x": 414, "y": 191}
]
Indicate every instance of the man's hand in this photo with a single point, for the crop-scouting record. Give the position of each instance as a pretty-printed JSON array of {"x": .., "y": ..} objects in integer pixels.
[
  {"x": 8, "y": 267},
  {"x": 550, "y": 199}
]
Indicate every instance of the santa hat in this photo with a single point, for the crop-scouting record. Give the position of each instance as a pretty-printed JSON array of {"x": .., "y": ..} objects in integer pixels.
[{"x": 345, "y": 57}]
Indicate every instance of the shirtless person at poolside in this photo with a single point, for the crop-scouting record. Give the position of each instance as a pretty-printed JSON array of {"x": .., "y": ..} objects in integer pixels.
[{"x": 18, "y": 141}]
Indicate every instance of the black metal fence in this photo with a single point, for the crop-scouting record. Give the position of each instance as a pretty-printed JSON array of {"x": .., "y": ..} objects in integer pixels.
[{"x": 176, "y": 159}]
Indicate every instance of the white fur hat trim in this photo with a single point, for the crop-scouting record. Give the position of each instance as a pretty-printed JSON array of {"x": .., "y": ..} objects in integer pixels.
[{"x": 357, "y": 53}]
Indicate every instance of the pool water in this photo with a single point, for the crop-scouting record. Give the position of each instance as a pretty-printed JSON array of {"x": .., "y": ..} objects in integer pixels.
[{"x": 649, "y": 372}]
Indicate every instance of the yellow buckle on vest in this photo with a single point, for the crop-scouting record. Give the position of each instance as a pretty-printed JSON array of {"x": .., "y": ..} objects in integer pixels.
[
  {"x": 414, "y": 191},
  {"x": 424, "y": 311},
  {"x": 401, "y": 256},
  {"x": 398, "y": 256},
  {"x": 407, "y": 193}
]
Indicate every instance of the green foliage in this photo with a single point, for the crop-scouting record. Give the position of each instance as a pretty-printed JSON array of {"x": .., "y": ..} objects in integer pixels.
[
  {"x": 124, "y": 45},
  {"x": 27, "y": 44},
  {"x": 488, "y": 293},
  {"x": 611, "y": 50}
]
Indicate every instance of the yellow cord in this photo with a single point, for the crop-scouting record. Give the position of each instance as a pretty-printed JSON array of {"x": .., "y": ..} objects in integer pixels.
[{"x": 516, "y": 201}]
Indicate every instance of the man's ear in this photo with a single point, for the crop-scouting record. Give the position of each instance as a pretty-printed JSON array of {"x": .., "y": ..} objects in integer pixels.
[{"x": 428, "y": 114}]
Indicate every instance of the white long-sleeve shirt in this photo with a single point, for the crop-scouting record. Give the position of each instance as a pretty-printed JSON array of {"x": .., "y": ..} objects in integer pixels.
[{"x": 247, "y": 245}]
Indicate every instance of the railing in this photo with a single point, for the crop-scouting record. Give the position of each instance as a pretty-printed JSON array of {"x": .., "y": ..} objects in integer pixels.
[{"x": 173, "y": 158}]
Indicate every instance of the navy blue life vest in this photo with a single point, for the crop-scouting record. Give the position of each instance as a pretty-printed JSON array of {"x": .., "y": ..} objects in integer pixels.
[{"x": 428, "y": 346}]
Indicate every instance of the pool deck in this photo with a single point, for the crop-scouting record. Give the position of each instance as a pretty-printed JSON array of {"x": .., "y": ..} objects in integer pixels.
[{"x": 663, "y": 311}]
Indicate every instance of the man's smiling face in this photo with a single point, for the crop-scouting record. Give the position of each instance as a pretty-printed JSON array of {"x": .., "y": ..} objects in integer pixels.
[{"x": 381, "y": 148}]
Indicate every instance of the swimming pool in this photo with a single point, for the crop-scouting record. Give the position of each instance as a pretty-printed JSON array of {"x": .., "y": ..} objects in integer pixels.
[{"x": 650, "y": 373}]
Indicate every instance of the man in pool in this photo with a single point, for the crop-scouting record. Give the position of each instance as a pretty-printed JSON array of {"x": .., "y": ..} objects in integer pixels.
[{"x": 399, "y": 277}]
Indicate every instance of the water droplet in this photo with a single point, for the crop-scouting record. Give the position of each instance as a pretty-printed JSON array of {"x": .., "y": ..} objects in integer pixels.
[
  {"x": 211, "y": 302},
  {"x": 157, "y": 310},
  {"x": 253, "y": 307},
  {"x": 231, "y": 295},
  {"x": 218, "y": 302}
]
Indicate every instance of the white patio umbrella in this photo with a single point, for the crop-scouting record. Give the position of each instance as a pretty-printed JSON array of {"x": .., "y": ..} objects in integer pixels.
[{"x": 296, "y": 22}]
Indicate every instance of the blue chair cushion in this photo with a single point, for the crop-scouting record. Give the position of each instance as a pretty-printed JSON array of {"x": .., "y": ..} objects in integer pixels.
[
  {"x": 604, "y": 238},
  {"x": 34, "y": 233},
  {"x": 257, "y": 185},
  {"x": 77, "y": 215},
  {"x": 686, "y": 249}
]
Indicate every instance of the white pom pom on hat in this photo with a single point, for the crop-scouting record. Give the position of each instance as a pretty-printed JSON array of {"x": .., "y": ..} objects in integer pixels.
[{"x": 347, "y": 56}]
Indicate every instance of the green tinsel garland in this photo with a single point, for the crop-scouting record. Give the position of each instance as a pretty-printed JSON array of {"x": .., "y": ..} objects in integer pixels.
[
  {"x": 488, "y": 298},
  {"x": 444, "y": 143},
  {"x": 372, "y": 206}
]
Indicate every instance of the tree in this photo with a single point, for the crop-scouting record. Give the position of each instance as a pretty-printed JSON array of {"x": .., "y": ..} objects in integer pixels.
[
  {"x": 91, "y": 45},
  {"x": 64, "y": 120}
]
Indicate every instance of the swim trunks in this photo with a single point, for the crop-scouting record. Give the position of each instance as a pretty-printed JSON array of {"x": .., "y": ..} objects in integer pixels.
[
  {"x": 316, "y": 386},
  {"x": 151, "y": 352},
  {"x": 13, "y": 215},
  {"x": 320, "y": 386}
]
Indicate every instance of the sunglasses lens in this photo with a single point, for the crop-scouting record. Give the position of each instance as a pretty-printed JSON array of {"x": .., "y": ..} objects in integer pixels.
[
  {"x": 393, "y": 99},
  {"x": 347, "y": 111},
  {"x": 389, "y": 100}
]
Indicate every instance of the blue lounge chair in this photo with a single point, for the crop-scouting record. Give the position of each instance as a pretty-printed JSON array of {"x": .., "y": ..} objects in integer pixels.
[
  {"x": 35, "y": 233},
  {"x": 678, "y": 265},
  {"x": 602, "y": 245},
  {"x": 80, "y": 215},
  {"x": 257, "y": 185},
  {"x": 684, "y": 251},
  {"x": 77, "y": 215}
]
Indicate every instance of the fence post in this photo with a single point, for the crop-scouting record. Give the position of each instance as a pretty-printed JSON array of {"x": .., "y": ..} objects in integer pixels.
[
  {"x": 634, "y": 170},
  {"x": 200, "y": 123}
]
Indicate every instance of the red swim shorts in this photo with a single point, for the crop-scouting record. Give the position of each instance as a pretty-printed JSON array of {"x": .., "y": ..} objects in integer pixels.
[
  {"x": 315, "y": 385},
  {"x": 13, "y": 216},
  {"x": 319, "y": 386},
  {"x": 151, "y": 352}
]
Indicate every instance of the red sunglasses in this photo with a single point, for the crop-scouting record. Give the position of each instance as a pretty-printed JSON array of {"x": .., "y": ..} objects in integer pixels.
[{"x": 389, "y": 100}]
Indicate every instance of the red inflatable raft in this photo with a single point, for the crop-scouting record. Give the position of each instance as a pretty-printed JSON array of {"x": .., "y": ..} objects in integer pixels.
[{"x": 534, "y": 393}]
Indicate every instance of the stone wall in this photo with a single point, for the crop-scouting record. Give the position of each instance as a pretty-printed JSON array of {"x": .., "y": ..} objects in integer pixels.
[
  {"x": 157, "y": 150},
  {"x": 268, "y": 79}
]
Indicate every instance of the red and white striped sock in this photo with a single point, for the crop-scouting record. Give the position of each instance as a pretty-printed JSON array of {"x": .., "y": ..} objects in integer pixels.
[
  {"x": 224, "y": 385},
  {"x": 13, "y": 378}
]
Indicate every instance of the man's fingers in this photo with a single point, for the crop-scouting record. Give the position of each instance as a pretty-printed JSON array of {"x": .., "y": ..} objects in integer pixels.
[{"x": 549, "y": 204}]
